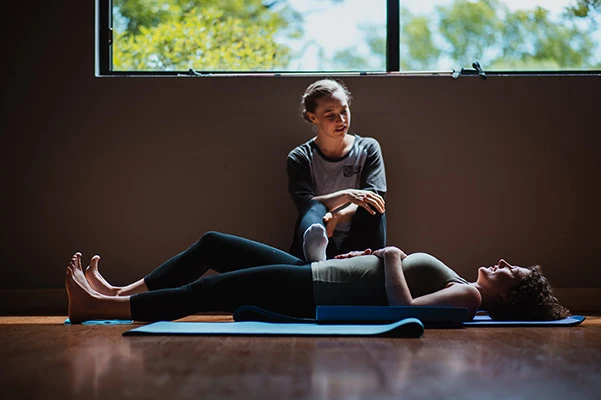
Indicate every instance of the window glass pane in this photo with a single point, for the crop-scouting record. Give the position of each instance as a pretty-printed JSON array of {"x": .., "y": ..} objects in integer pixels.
[
  {"x": 249, "y": 35},
  {"x": 340, "y": 35},
  {"x": 503, "y": 35}
]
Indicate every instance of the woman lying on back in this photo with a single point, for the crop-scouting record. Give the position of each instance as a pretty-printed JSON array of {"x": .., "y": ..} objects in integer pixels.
[{"x": 251, "y": 273}]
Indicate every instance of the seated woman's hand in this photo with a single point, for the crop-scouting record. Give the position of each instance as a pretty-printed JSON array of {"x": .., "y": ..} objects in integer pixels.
[
  {"x": 371, "y": 201},
  {"x": 333, "y": 218},
  {"x": 356, "y": 253},
  {"x": 390, "y": 250}
]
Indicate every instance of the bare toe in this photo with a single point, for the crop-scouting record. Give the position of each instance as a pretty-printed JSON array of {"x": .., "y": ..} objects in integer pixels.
[
  {"x": 96, "y": 280},
  {"x": 78, "y": 261},
  {"x": 94, "y": 262}
]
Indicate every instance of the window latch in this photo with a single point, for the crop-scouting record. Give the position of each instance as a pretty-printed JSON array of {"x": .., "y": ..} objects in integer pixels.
[
  {"x": 193, "y": 72},
  {"x": 468, "y": 71}
]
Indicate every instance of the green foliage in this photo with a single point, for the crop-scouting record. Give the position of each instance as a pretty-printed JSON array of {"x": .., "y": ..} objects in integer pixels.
[
  {"x": 350, "y": 59},
  {"x": 487, "y": 30},
  {"x": 418, "y": 51},
  {"x": 470, "y": 28},
  {"x": 171, "y": 35},
  {"x": 533, "y": 40},
  {"x": 248, "y": 35},
  {"x": 151, "y": 13},
  {"x": 584, "y": 8}
]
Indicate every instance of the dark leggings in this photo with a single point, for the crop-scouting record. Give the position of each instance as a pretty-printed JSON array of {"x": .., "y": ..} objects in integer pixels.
[
  {"x": 367, "y": 231},
  {"x": 251, "y": 273}
]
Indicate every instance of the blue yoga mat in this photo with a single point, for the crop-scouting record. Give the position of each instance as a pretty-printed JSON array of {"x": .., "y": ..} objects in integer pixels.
[
  {"x": 430, "y": 316},
  {"x": 103, "y": 322},
  {"x": 407, "y": 328},
  {"x": 486, "y": 321}
]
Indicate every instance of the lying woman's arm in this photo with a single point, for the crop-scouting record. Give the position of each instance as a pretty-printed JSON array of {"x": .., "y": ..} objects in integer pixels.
[{"x": 398, "y": 293}]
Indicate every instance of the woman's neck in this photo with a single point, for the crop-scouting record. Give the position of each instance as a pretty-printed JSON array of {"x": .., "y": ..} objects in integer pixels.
[
  {"x": 335, "y": 147},
  {"x": 488, "y": 297}
]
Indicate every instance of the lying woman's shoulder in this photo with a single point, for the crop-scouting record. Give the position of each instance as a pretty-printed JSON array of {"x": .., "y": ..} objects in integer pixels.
[{"x": 473, "y": 298}]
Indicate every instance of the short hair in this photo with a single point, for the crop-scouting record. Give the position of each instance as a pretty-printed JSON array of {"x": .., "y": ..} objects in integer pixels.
[
  {"x": 531, "y": 300},
  {"x": 318, "y": 90}
]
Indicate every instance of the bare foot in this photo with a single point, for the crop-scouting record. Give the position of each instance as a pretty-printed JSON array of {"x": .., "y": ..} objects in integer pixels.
[
  {"x": 97, "y": 281},
  {"x": 83, "y": 301}
]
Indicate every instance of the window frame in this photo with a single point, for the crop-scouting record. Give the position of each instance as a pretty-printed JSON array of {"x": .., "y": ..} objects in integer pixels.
[{"x": 104, "y": 56}]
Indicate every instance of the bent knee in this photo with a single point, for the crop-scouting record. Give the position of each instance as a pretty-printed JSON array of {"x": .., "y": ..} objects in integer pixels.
[
  {"x": 315, "y": 206},
  {"x": 210, "y": 237}
]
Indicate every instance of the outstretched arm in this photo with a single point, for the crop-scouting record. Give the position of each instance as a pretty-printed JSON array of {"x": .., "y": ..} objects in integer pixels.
[
  {"x": 398, "y": 293},
  {"x": 367, "y": 199}
]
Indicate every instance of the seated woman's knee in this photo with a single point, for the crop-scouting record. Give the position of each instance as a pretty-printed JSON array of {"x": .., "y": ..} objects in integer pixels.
[
  {"x": 209, "y": 238},
  {"x": 315, "y": 205}
]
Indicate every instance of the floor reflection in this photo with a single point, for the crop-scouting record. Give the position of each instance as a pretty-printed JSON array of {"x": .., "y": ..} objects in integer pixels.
[
  {"x": 472, "y": 363},
  {"x": 360, "y": 369},
  {"x": 100, "y": 366}
]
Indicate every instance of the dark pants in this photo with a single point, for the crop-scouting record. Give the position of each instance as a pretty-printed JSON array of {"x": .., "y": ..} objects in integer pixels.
[
  {"x": 251, "y": 273},
  {"x": 367, "y": 231}
]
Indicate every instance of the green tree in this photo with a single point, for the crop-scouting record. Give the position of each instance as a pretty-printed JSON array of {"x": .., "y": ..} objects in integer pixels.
[
  {"x": 470, "y": 29},
  {"x": 584, "y": 8},
  {"x": 206, "y": 35},
  {"x": 249, "y": 35},
  {"x": 204, "y": 42},
  {"x": 487, "y": 30},
  {"x": 151, "y": 13},
  {"x": 351, "y": 59},
  {"x": 418, "y": 51},
  {"x": 533, "y": 41}
]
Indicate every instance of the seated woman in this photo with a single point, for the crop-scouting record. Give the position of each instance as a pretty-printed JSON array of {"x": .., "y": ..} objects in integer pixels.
[{"x": 252, "y": 273}]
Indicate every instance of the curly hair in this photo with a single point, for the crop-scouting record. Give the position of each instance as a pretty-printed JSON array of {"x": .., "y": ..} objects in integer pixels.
[
  {"x": 531, "y": 300},
  {"x": 318, "y": 90}
]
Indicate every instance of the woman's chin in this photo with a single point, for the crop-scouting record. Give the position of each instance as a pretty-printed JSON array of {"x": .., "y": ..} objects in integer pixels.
[{"x": 481, "y": 273}]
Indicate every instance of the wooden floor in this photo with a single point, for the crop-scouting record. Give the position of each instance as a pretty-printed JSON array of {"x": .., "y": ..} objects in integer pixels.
[{"x": 43, "y": 359}]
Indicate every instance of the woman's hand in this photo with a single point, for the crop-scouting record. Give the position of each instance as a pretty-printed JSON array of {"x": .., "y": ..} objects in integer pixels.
[
  {"x": 372, "y": 202},
  {"x": 354, "y": 254},
  {"x": 333, "y": 218},
  {"x": 390, "y": 250},
  {"x": 366, "y": 199}
]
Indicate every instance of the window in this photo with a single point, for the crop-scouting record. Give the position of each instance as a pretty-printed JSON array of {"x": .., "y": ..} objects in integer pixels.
[
  {"x": 346, "y": 36},
  {"x": 503, "y": 35}
]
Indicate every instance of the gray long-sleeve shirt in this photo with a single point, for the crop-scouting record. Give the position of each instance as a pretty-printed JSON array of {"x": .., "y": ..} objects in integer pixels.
[{"x": 311, "y": 173}]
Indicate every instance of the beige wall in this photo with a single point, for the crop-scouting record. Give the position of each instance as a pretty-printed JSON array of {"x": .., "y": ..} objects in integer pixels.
[{"x": 135, "y": 169}]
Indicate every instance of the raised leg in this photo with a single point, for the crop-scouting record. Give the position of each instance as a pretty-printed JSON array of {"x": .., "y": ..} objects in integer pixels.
[
  {"x": 313, "y": 214},
  {"x": 220, "y": 252}
]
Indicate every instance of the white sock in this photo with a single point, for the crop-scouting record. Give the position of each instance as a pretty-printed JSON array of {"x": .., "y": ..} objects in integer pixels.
[{"x": 315, "y": 241}]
